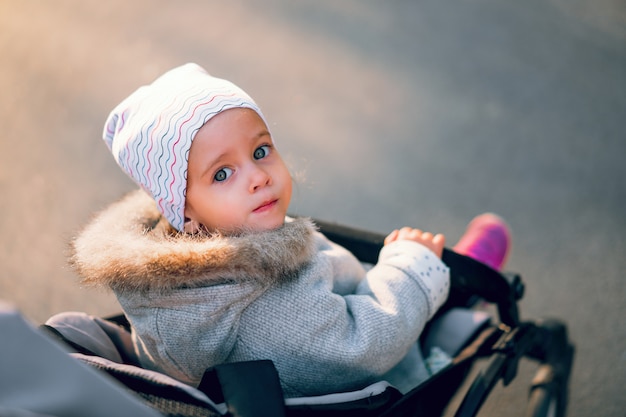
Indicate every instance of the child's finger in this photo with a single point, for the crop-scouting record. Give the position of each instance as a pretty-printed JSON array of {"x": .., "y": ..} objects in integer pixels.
[
  {"x": 439, "y": 241},
  {"x": 392, "y": 237},
  {"x": 409, "y": 233},
  {"x": 427, "y": 236}
]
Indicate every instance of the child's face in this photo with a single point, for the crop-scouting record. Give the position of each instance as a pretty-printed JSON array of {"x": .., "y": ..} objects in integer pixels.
[{"x": 236, "y": 179}]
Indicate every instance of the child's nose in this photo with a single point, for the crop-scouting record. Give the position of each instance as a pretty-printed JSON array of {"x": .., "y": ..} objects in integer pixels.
[{"x": 259, "y": 179}]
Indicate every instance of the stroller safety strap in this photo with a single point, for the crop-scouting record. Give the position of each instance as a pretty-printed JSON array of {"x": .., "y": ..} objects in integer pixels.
[{"x": 250, "y": 388}]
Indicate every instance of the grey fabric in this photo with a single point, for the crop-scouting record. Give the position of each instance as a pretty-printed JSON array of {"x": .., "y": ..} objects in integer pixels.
[
  {"x": 37, "y": 376},
  {"x": 152, "y": 377},
  {"x": 454, "y": 329},
  {"x": 102, "y": 337},
  {"x": 320, "y": 341},
  {"x": 85, "y": 331}
]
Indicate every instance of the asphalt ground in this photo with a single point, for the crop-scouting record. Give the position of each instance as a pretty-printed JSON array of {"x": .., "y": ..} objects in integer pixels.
[{"x": 421, "y": 113}]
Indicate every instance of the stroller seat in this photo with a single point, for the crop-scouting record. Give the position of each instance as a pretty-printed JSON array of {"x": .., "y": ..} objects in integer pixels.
[{"x": 106, "y": 344}]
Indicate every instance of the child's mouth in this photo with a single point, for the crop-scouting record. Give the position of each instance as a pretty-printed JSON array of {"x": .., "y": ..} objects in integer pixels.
[{"x": 265, "y": 206}]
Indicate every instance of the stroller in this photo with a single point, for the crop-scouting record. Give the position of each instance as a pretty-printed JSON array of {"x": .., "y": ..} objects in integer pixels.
[{"x": 465, "y": 334}]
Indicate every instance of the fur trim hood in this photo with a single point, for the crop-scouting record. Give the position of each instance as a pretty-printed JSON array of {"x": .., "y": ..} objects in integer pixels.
[{"x": 130, "y": 247}]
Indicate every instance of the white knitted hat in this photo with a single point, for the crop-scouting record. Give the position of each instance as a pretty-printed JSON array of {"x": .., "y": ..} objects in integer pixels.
[{"x": 150, "y": 132}]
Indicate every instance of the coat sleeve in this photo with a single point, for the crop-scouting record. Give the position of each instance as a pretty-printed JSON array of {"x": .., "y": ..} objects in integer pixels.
[{"x": 326, "y": 342}]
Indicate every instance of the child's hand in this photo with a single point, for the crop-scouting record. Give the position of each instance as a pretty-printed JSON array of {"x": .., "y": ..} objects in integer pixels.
[{"x": 433, "y": 242}]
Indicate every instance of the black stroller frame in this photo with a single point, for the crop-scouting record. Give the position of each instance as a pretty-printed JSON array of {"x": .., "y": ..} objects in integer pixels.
[
  {"x": 504, "y": 344},
  {"x": 252, "y": 389}
]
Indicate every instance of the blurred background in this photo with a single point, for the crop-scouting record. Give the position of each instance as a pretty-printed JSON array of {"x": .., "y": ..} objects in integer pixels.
[{"x": 421, "y": 113}]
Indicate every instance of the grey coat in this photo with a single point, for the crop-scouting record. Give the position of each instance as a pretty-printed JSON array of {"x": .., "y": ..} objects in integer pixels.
[{"x": 289, "y": 295}]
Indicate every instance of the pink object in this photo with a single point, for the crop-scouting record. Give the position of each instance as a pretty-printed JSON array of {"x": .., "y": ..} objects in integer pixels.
[{"x": 487, "y": 240}]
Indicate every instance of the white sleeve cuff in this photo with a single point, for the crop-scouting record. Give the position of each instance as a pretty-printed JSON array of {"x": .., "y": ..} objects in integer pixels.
[{"x": 421, "y": 264}]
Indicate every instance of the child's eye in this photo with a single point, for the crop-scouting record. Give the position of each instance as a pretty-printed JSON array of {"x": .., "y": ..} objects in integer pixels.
[
  {"x": 261, "y": 152},
  {"x": 223, "y": 174}
]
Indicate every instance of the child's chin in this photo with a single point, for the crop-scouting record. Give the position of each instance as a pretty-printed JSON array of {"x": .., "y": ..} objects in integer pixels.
[{"x": 268, "y": 225}]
